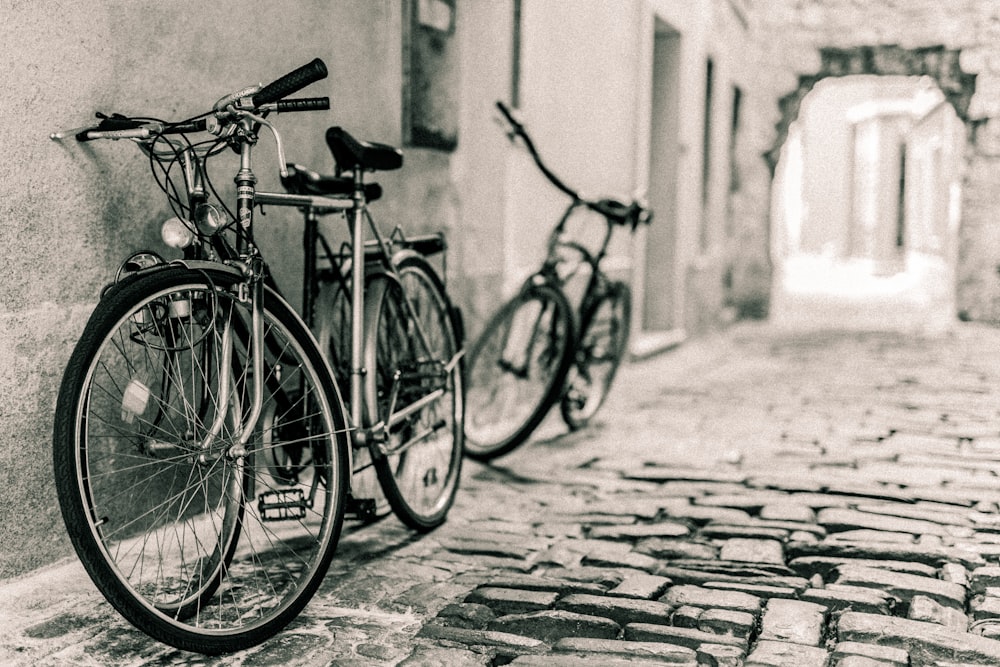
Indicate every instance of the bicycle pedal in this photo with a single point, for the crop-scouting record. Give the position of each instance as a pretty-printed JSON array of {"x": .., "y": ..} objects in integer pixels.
[
  {"x": 362, "y": 509},
  {"x": 282, "y": 505}
]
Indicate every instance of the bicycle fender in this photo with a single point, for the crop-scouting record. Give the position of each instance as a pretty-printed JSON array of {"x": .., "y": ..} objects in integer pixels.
[{"x": 194, "y": 264}]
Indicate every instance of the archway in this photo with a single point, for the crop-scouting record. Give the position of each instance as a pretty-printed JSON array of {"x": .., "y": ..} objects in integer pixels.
[{"x": 867, "y": 170}]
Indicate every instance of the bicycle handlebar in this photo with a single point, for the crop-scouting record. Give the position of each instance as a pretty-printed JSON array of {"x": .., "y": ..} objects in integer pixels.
[
  {"x": 632, "y": 214},
  {"x": 292, "y": 82}
]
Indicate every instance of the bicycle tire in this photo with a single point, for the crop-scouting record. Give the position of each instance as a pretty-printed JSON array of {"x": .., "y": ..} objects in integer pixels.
[
  {"x": 190, "y": 543},
  {"x": 420, "y": 469},
  {"x": 516, "y": 369},
  {"x": 602, "y": 347},
  {"x": 333, "y": 329}
]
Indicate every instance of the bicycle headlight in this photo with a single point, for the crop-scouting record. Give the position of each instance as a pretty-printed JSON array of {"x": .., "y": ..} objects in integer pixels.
[
  {"x": 177, "y": 233},
  {"x": 208, "y": 219}
]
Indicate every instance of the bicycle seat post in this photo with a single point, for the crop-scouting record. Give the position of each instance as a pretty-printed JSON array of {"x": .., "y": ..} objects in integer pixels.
[{"x": 357, "y": 221}]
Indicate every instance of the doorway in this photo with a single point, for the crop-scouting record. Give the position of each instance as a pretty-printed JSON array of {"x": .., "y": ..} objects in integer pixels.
[{"x": 661, "y": 300}]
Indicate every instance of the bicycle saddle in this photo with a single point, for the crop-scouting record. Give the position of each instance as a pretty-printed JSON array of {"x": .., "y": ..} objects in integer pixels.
[
  {"x": 303, "y": 181},
  {"x": 350, "y": 153}
]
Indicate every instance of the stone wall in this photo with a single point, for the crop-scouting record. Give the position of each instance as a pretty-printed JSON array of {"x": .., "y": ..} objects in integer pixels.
[{"x": 956, "y": 43}]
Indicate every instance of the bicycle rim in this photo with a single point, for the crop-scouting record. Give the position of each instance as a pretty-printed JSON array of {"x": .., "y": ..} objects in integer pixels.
[
  {"x": 420, "y": 471},
  {"x": 204, "y": 544},
  {"x": 603, "y": 343},
  {"x": 515, "y": 371}
]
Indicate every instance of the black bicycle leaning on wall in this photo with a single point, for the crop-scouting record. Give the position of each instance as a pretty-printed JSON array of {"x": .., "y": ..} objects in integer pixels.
[
  {"x": 202, "y": 451},
  {"x": 537, "y": 348}
]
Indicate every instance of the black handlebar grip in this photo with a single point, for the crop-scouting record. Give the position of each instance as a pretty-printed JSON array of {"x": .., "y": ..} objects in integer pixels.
[
  {"x": 304, "y": 104},
  {"x": 291, "y": 82}
]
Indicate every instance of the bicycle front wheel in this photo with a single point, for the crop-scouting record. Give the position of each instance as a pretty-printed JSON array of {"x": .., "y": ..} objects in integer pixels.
[
  {"x": 204, "y": 534},
  {"x": 603, "y": 343},
  {"x": 516, "y": 369},
  {"x": 417, "y": 388}
]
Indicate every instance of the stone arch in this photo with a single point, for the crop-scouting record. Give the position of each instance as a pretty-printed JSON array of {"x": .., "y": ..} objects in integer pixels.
[{"x": 938, "y": 62}]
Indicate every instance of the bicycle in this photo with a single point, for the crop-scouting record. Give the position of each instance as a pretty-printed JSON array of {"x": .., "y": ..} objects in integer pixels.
[
  {"x": 538, "y": 348},
  {"x": 202, "y": 449}
]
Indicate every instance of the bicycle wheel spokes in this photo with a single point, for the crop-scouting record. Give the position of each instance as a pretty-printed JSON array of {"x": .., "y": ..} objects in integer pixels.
[
  {"x": 515, "y": 370},
  {"x": 204, "y": 535},
  {"x": 415, "y": 346}
]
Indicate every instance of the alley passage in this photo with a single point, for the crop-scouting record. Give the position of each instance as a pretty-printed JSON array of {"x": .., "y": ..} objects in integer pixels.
[{"x": 757, "y": 497}]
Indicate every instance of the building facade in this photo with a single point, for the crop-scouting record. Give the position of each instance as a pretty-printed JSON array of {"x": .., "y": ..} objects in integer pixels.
[{"x": 687, "y": 101}]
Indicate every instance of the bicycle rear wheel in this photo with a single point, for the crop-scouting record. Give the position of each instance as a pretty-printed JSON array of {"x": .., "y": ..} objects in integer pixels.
[
  {"x": 202, "y": 542},
  {"x": 333, "y": 330},
  {"x": 516, "y": 369},
  {"x": 411, "y": 344},
  {"x": 603, "y": 343}
]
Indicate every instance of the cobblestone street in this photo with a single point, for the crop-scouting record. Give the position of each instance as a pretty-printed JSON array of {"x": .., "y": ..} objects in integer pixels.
[{"x": 756, "y": 497}]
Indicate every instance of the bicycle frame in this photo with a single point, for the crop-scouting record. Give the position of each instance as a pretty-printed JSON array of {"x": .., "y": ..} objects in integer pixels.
[{"x": 365, "y": 255}]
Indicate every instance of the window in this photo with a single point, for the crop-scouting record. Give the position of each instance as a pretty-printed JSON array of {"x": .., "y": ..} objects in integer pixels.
[
  {"x": 430, "y": 74},
  {"x": 706, "y": 151}
]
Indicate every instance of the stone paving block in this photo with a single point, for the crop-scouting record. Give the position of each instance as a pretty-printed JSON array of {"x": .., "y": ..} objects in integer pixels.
[
  {"x": 752, "y": 550},
  {"x": 704, "y": 515},
  {"x": 884, "y": 551},
  {"x": 859, "y": 661},
  {"x": 927, "y": 643},
  {"x": 955, "y": 573},
  {"x": 516, "y": 644},
  {"x": 984, "y": 577},
  {"x": 512, "y": 600},
  {"x": 686, "y": 616},
  {"x": 836, "y": 519},
  {"x": 666, "y": 549},
  {"x": 643, "y": 586},
  {"x": 807, "y": 566},
  {"x": 793, "y": 621},
  {"x": 902, "y": 586},
  {"x": 433, "y": 656},
  {"x": 727, "y": 622},
  {"x": 700, "y": 576},
  {"x": 579, "y": 660},
  {"x": 698, "y": 596},
  {"x": 856, "y": 598},
  {"x": 787, "y": 510},
  {"x": 751, "y": 500},
  {"x": 887, "y": 655},
  {"x": 606, "y": 577},
  {"x": 760, "y": 590},
  {"x": 640, "y": 530},
  {"x": 552, "y": 625},
  {"x": 548, "y": 583},
  {"x": 466, "y": 615},
  {"x": 620, "y": 610},
  {"x": 719, "y": 655},
  {"x": 485, "y": 547},
  {"x": 722, "y": 531},
  {"x": 922, "y": 608},
  {"x": 690, "y": 637},
  {"x": 736, "y": 568},
  {"x": 665, "y": 653},
  {"x": 983, "y": 607},
  {"x": 785, "y": 654},
  {"x": 935, "y": 513},
  {"x": 630, "y": 560}
]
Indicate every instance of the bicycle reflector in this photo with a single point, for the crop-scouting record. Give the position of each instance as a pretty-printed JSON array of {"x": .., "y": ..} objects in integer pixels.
[{"x": 177, "y": 233}]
